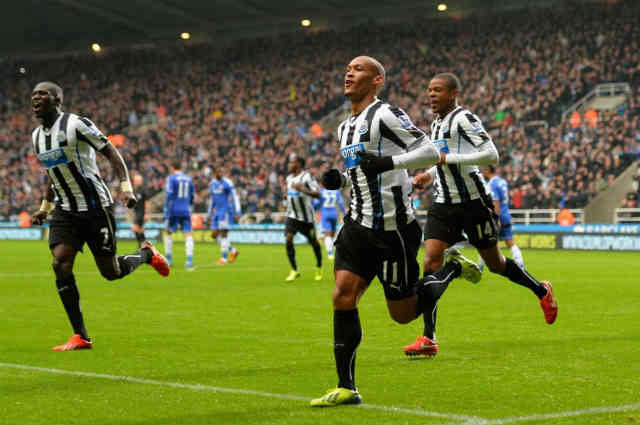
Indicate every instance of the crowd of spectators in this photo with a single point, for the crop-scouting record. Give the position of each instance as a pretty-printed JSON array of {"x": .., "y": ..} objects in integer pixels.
[{"x": 250, "y": 105}]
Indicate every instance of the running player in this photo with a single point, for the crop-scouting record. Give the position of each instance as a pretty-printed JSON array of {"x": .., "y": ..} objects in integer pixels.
[
  {"x": 301, "y": 189},
  {"x": 462, "y": 203},
  {"x": 380, "y": 236},
  {"x": 79, "y": 203}
]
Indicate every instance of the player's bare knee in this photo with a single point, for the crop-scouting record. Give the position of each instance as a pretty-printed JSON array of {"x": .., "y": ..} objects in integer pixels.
[
  {"x": 56, "y": 265},
  {"x": 344, "y": 298},
  {"x": 62, "y": 266}
]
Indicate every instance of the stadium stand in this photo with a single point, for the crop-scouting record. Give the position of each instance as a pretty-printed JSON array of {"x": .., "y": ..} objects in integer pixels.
[{"x": 251, "y": 104}]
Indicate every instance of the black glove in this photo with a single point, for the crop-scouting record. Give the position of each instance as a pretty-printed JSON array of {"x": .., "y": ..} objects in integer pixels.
[
  {"x": 372, "y": 164},
  {"x": 332, "y": 179}
]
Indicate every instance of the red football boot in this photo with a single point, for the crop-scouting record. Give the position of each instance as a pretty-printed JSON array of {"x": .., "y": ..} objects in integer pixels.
[
  {"x": 76, "y": 342},
  {"x": 233, "y": 256},
  {"x": 422, "y": 345},
  {"x": 158, "y": 262},
  {"x": 548, "y": 303}
]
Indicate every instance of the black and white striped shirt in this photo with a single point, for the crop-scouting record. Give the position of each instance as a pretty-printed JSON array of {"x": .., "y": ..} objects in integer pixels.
[
  {"x": 68, "y": 152},
  {"x": 382, "y": 202},
  {"x": 459, "y": 132},
  {"x": 299, "y": 205}
]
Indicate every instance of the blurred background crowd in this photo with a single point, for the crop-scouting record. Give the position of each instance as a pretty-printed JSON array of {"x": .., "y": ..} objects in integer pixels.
[{"x": 250, "y": 105}]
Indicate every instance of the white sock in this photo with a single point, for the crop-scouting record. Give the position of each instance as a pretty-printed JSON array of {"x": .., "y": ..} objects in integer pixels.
[
  {"x": 224, "y": 246},
  {"x": 480, "y": 262},
  {"x": 517, "y": 255},
  {"x": 188, "y": 244},
  {"x": 168, "y": 244},
  {"x": 328, "y": 244}
]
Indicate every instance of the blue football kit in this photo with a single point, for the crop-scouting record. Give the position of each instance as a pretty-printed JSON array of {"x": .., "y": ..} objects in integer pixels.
[
  {"x": 179, "y": 198},
  {"x": 500, "y": 192},
  {"x": 328, "y": 203},
  {"x": 225, "y": 204}
]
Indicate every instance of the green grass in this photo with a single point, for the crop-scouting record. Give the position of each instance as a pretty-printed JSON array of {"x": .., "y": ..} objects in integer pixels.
[{"x": 241, "y": 327}]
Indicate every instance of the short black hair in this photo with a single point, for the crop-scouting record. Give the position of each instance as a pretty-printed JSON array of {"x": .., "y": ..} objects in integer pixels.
[
  {"x": 453, "y": 82},
  {"x": 491, "y": 168},
  {"x": 54, "y": 89},
  {"x": 176, "y": 164},
  {"x": 300, "y": 160}
]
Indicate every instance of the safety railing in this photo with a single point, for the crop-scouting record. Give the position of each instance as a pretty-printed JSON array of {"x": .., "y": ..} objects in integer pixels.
[
  {"x": 626, "y": 215},
  {"x": 607, "y": 89}
]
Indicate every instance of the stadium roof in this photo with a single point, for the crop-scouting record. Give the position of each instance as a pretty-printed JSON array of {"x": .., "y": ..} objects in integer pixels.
[{"x": 36, "y": 26}]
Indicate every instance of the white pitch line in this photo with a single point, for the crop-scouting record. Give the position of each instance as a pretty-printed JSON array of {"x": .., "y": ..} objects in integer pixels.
[
  {"x": 208, "y": 267},
  {"x": 565, "y": 414},
  {"x": 199, "y": 387}
]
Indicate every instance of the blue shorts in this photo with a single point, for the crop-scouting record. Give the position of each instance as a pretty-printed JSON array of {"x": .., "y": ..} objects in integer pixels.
[
  {"x": 179, "y": 223},
  {"x": 506, "y": 233},
  {"x": 222, "y": 220},
  {"x": 329, "y": 224}
]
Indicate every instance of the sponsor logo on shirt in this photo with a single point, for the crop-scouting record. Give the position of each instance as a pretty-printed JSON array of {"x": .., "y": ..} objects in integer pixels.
[
  {"x": 350, "y": 155},
  {"x": 52, "y": 158},
  {"x": 442, "y": 144}
]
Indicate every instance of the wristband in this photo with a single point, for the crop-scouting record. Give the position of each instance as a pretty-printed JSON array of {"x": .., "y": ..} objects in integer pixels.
[
  {"x": 125, "y": 186},
  {"x": 46, "y": 206}
]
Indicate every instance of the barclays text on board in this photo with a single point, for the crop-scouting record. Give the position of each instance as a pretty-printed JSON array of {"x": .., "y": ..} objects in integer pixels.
[
  {"x": 21, "y": 234},
  {"x": 606, "y": 242}
]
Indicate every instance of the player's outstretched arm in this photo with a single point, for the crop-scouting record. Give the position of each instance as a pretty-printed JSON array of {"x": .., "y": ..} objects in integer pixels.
[
  {"x": 119, "y": 166},
  {"x": 426, "y": 154},
  {"x": 47, "y": 205},
  {"x": 470, "y": 129},
  {"x": 396, "y": 125},
  {"x": 487, "y": 154}
]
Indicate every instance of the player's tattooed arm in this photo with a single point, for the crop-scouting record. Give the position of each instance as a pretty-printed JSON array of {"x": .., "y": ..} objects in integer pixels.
[
  {"x": 120, "y": 168},
  {"x": 47, "y": 205}
]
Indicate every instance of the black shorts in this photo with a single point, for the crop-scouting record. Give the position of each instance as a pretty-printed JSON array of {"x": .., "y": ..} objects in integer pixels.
[
  {"x": 389, "y": 255},
  {"x": 291, "y": 225},
  {"x": 138, "y": 219},
  {"x": 446, "y": 222},
  {"x": 96, "y": 228}
]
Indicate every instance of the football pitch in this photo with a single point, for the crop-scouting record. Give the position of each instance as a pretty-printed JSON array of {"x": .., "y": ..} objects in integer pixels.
[{"x": 236, "y": 344}]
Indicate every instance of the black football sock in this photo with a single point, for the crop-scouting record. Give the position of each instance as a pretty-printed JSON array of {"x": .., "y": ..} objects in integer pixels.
[
  {"x": 68, "y": 292},
  {"x": 519, "y": 275},
  {"x": 347, "y": 334},
  {"x": 429, "y": 290},
  {"x": 128, "y": 263},
  {"x": 318, "y": 252},
  {"x": 291, "y": 254},
  {"x": 140, "y": 237}
]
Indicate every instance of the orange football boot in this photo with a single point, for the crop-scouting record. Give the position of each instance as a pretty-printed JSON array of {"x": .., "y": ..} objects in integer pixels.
[
  {"x": 76, "y": 342},
  {"x": 549, "y": 304},
  {"x": 233, "y": 256},
  {"x": 422, "y": 345},
  {"x": 158, "y": 262}
]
